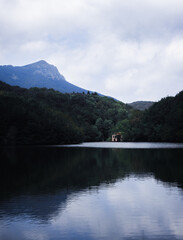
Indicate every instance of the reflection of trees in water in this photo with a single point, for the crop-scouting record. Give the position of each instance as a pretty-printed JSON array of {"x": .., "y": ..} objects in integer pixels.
[
  {"x": 49, "y": 169},
  {"x": 43, "y": 178},
  {"x": 165, "y": 164}
]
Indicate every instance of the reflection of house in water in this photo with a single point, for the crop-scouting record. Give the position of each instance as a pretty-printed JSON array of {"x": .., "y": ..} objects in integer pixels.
[{"x": 117, "y": 137}]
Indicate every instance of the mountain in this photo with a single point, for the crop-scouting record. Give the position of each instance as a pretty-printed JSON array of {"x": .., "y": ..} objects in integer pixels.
[
  {"x": 141, "y": 105},
  {"x": 38, "y": 74}
]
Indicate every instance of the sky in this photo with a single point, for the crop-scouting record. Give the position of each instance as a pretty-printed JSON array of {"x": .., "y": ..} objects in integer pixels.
[{"x": 129, "y": 49}]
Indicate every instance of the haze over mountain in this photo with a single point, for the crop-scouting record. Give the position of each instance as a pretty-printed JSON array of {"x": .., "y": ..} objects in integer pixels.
[
  {"x": 141, "y": 105},
  {"x": 38, "y": 74}
]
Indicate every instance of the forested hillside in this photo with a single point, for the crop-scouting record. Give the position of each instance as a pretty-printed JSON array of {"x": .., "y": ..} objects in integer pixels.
[
  {"x": 162, "y": 122},
  {"x": 46, "y": 116}
]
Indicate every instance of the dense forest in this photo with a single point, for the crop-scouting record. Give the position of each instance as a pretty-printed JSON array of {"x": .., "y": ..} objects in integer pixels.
[
  {"x": 162, "y": 122},
  {"x": 46, "y": 116}
]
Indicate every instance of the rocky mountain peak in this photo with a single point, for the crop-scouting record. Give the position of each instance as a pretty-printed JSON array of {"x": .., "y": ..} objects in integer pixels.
[
  {"x": 45, "y": 69},
  {"x": 38, "y": 74}
]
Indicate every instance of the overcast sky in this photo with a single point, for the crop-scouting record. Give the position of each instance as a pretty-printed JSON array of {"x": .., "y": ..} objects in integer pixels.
[{"x": 128, "y": 49}]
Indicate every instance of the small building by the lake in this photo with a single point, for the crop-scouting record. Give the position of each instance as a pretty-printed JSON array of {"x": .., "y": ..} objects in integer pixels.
[{"x": 117, "y": 137}]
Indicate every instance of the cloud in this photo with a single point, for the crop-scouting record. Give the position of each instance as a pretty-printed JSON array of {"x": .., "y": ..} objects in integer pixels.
[{"x": 131, "y": 50}]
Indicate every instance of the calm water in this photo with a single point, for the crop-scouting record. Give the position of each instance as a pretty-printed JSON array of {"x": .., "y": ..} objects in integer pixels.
[
  {"x": 127, "y": 145},
  {"x": 132, "y": 192}
]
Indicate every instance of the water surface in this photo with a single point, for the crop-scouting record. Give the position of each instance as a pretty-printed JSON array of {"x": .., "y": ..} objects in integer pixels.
[
  {"x": 91, "y": 193},
  {"x": 127, "y": 145}
]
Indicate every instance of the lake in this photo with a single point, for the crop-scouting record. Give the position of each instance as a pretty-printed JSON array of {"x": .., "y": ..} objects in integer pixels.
[{"x": 92, "y": 191}]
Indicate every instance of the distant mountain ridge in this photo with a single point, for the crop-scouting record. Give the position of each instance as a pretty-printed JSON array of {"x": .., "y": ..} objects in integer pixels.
[
  {"x": 141, "y": 105},
  {"x": 39, "y": 74}
]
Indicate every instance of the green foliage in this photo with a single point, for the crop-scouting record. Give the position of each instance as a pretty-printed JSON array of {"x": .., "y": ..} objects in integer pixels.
[
  {"x": 162, "y": 122},
  {"x": 46, "y": 116}
]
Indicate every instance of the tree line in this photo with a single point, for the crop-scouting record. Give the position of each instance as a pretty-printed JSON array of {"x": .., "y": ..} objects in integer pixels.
[
  {"x": 162, "y": 122},
  {"x": 45, "y": 116}
]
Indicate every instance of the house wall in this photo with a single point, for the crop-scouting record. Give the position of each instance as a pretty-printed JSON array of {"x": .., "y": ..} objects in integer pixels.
[{"x": 116, "y": 138}]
